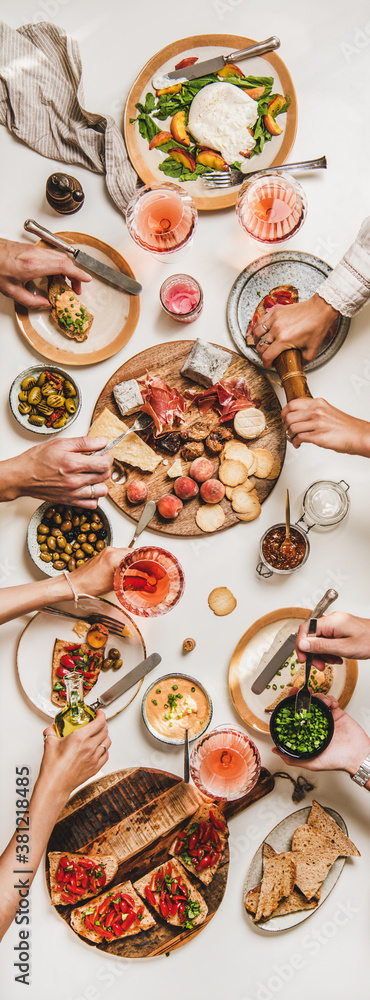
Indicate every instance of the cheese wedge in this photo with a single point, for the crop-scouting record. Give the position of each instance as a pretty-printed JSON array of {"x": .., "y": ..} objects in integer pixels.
[{"x": 131, "y": 450}]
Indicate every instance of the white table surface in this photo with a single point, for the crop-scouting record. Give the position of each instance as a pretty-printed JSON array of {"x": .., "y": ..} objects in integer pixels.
[{"x": 326, "y": 48}]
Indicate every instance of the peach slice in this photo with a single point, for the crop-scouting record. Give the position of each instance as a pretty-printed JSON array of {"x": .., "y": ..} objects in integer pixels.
[
  {"x": 178, "y": 128},
  {"x": 271, "y": 125},
  {"x": 230, "y": 70},
  {"x": 159, "y": 139},
  {"x": 208, "y": 158},
  {"x": 276, "y": 105},
  {"x": 255, "y": 92},
  {"x": 182, "y": 157},
  {"x": 169, "y": 90}
]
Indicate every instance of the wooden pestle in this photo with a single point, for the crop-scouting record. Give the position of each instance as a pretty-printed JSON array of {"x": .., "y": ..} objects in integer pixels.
[{"x": 289, "y": 366}]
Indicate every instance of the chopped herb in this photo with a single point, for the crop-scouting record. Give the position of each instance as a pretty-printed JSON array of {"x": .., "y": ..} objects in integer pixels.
[
  {"x": 192, "y": 689},
  {"x": 174, "y": 687},
  {"x": 157, "y": 690},
  {"x": 154, "y": 702}
]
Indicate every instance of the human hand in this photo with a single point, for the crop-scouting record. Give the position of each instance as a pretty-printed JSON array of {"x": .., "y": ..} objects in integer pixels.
[
  {"x": 301, "y": 324},
  {"x": 62, "y": 471},
  {"x": 21, "y": 262},
  {"x": 96, "y": 575},
  {"x": 337, "y": 635},
  {"x": 71, "y": 760},
  {"x": 346, "y": 751},
  {"x": 317, "y": 422}
]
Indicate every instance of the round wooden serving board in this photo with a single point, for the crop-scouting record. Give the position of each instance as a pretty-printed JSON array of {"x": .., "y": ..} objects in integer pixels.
[
  {"x": 134, "y": 814},
  {"x": 166, "y": 361}
]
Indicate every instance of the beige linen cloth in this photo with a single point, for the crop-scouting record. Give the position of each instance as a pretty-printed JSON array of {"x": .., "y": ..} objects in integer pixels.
[{"x": 41, "y": 102}]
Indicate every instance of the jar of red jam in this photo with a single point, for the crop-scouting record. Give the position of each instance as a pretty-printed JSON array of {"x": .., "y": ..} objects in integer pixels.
[{"x": 181, "y": 298}]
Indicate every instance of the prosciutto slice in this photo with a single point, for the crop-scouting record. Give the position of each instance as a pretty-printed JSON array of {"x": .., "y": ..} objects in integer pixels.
[
  {"x": 163, "y": 404},
  {"x": 226, "y": 397}
]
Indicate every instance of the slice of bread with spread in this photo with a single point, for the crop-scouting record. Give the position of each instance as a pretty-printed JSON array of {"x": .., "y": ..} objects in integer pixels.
[
  {"x": 93, "y": 871},
  {"x": 121, "y": 907},
  {"x": 67, "y": 311},
  {"x": 87, "y": 661}
]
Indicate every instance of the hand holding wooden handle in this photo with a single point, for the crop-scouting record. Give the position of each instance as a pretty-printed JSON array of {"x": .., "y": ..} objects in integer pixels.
[{"x": 289, "y": 366}]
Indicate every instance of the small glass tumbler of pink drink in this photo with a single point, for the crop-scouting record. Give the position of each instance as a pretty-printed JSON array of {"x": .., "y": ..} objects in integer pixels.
[{"x": 181, "y": 298}]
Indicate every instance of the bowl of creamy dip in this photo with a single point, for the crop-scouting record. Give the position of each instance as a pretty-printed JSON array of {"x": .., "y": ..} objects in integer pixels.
[{"x": 174, "y": 703}]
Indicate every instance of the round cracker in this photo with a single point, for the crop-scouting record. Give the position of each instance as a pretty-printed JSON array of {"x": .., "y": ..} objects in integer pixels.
[
  {"x": 252, "y": 470},
  {"x": 222, "y": 601},
  {"x": 240, "y": 499},
  {"x": 250, "y": 506},
  {"x": 265, "y": 461},
  {"x": 238, "y": 451},
  {"x": 232, "y": 472},
  {"x": 210, "y": 516},
  {"x": 249, "y": 423},
  {"x": 275, "y": 471}
]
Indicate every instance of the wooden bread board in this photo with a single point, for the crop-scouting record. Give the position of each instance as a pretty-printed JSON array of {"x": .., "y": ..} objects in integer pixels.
[
  {"x": 134, "y": 815},
  {"x": 166, "y": 360}
]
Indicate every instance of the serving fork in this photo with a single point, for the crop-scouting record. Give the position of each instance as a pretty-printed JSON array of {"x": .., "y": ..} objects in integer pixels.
[{"x": 231, "y": 177}]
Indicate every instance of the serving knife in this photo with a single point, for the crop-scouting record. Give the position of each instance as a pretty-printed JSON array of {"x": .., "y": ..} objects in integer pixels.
[
  {"x": 281, "y": 651},
  {"x": 196, "y": 70},
  {"x": 135, "y": 675},
  {"x": 117, "y": 278}
]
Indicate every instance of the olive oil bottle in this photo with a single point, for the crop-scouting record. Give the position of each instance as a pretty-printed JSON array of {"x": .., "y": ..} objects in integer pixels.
[{"x": 76, "y": 713}]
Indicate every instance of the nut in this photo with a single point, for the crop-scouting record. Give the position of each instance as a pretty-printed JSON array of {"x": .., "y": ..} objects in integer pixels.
[{"x": 188, "y": 645}]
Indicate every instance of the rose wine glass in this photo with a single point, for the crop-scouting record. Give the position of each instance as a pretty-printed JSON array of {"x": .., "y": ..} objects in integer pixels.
[
  {"x": 149, "y": 581},
  {"x": 161, "y": 218},
  {"x": 271, "y": 207},
  {"x": 225, "y": 764}
]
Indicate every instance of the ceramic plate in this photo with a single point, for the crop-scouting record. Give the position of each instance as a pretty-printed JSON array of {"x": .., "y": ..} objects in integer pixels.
[
  {"x": 35, "y": 653},
  {"x": 245, "y": 667},
  {"x": 285, "y": 267},
  {"x": 116, "y": 313},
  {"x": 147, "y": 161},
  {"x": 280, "y": 839},
  {"x": 15, "y": 389},
  {"x": 33, "y": 545}
]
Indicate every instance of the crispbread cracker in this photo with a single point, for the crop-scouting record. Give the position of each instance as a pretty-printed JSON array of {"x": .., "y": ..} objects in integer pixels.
[
  {"x": 265, "y": 461},
  {"x": 251, "y": 506},
  {"x": 277, "y": 883},
  {"x": 210, "y": 517},
  {"x": 132, "y": 449},
  {"x": 293, "y": 903},
  {"x": 239, "y": 452},
  {"x": 306, "y": 836},
  {"x": 249, "y": 423},
  {"x": 321, "y": 821},
  {"x": 232, "y": 472},
  {"x": 312, "y": 866},
  {"x": 222, "y": 601}
]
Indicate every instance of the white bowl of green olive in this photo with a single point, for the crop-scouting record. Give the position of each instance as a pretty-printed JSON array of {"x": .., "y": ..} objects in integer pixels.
[
  {"x": 45, "y": 399},
  {"x": 61, "y": 537}
]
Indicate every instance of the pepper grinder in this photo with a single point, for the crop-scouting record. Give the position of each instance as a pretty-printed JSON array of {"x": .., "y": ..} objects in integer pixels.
[{"x": 64, "y": 193}]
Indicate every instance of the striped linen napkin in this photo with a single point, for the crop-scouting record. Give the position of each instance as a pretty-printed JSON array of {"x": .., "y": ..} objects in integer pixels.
[{"x": 41, "y": 103}]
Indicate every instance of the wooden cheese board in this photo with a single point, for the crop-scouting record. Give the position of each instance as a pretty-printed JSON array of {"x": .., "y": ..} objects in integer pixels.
[
  {"x": 166, "y": 361},
  {"x": 134, "y": 814}
]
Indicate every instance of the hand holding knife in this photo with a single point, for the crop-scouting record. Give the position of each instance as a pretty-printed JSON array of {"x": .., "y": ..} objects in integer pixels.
[
  {"x": 276, "y": 661},
  {"x": 84, "y": 260}
]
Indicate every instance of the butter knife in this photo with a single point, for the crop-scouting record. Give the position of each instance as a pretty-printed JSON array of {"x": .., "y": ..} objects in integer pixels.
[
  {"x": 282, "y": 651},
  {"x": 198, "y": 69},
  {"x": 117, "y": 278},
  {"x": 127, "y": 682}
]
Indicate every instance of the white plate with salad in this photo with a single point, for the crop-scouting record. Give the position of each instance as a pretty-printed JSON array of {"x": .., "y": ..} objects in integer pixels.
[
  {"x": 149, "y": 117},
  {"x": 339, "y": 682}
]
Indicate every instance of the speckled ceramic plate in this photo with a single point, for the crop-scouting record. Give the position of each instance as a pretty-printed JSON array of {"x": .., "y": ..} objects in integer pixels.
[
  {"x": 33, "y": 545},
  {"x": 285, "y": 267},
  {"x": 280, "y": 838},
  {"x": 15, "y": 389},
  {"x": 36, "y": 645}
]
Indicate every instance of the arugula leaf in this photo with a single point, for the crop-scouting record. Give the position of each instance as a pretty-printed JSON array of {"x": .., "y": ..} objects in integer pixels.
[{"x": 172, "y": 168}]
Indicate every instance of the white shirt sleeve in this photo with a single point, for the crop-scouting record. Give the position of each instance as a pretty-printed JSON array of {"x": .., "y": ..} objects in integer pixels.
[{"x": 347, "y": 288}]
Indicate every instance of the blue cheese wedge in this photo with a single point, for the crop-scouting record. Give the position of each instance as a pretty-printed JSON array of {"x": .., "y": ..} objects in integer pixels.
[
  {"x": 128, "y": 397},
  {"x": 206, "y": 364}
]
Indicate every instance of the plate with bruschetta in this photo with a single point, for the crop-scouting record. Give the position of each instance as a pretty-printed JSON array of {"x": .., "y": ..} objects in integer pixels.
[{"x": 85, "y": 329}]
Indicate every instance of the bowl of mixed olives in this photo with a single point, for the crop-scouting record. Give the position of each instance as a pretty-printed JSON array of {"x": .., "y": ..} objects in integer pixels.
[
  {"x": 63, "y": 537},
  {"x": 44, "y": 400}
]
